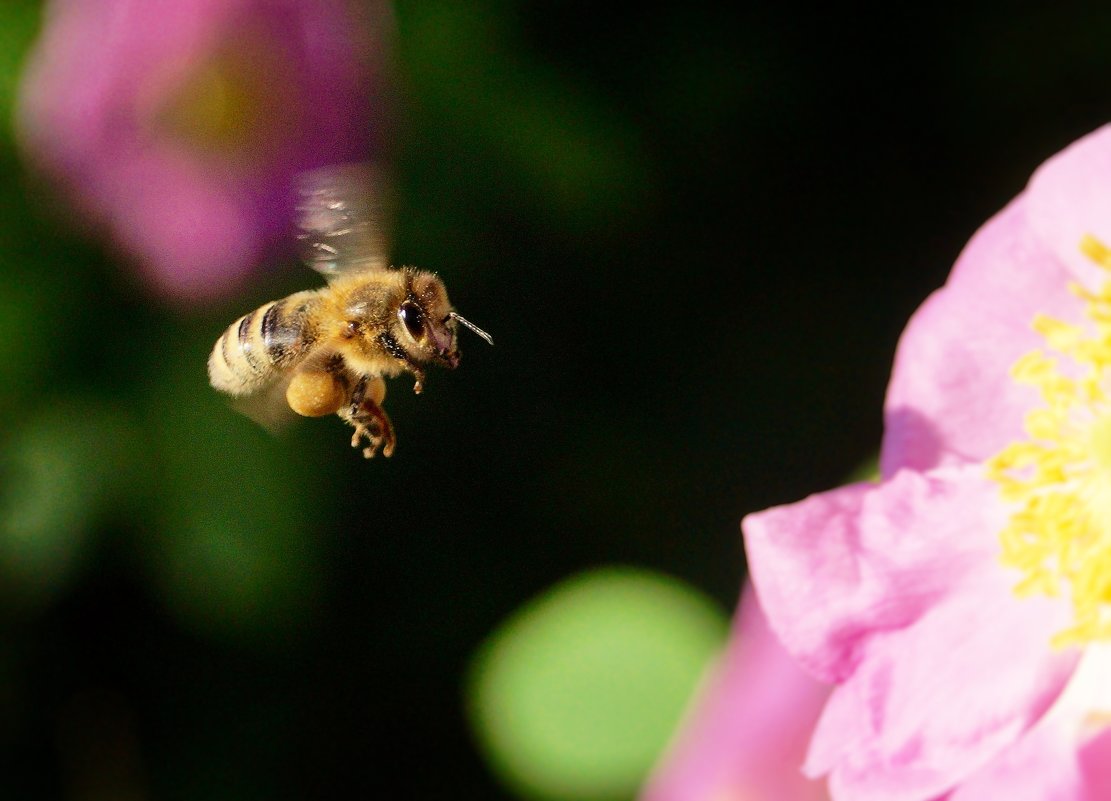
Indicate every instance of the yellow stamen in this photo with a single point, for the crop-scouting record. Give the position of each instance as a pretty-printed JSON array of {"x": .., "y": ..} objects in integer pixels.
[
  {"x": 1096, "y": 251},
  {"x": 1059, "y": 478}
]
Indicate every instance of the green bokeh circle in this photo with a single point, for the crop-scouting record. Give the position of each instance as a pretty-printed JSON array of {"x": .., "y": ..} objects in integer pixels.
[{"x": 575, "y": 696}]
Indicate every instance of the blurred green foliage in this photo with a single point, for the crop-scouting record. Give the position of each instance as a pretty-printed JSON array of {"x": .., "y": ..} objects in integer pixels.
[
  {"x": 570, "y": 151},
  {"x": 65, "y": 469},
  {"x": 19, "y": 24}
]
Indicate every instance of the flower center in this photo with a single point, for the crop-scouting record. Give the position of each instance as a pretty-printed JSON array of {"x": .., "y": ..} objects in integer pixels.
[
  {"x": 236, "y": 102},
  {"x": 1100, "y": 445},
  {"x": 1059, "y": 478}
]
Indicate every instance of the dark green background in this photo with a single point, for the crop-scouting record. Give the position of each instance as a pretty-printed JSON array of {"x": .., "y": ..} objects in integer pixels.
[{"x": 695, "y": 234}]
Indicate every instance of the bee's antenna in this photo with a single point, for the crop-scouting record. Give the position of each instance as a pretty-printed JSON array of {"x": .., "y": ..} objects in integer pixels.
[{"x": 472, "y": 326}]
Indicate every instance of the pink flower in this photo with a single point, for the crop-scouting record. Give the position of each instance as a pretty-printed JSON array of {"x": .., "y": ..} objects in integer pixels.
[
  {"x": 961, "y": 606},
  {"x": 746, "y": 735},
  {"x": 178, "y": 126}
]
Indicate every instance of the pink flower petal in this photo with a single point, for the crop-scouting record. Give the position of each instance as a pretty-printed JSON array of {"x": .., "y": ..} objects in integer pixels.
[
  {"x": 935, "y": 702},
  {"x": 836, "y": 568},
  {"x": 951, "y": 398},
  {"x": 747, "y": 733},
  {"x": 1095, "y": 767},
  {"x": 1070, "y": 197},
  {"x": 894, "y": 592},
  {"x": 1067, "y": 755},
  {"x": 947, "y": 683},
  {"x": 1041, "y": 766}
]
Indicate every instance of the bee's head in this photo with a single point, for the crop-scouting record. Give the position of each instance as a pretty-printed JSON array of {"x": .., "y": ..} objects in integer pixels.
[{"x": 426, "y": 324}]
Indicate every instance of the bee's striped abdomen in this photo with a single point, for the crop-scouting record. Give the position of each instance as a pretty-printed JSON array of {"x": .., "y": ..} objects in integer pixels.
[{"x": 258, "y": 346}]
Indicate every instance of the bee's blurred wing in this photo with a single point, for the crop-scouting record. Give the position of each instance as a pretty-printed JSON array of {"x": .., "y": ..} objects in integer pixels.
[
  {"x": 268, "y": 406},
  {"x": 342, "y": 216}
]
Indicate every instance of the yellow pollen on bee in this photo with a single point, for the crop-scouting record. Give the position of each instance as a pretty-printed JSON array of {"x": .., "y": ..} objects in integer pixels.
[{"x": 1058, "y": 479}]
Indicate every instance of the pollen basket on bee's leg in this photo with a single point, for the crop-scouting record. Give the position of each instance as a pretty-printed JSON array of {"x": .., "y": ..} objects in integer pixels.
[{"x": 315, "y": 393}]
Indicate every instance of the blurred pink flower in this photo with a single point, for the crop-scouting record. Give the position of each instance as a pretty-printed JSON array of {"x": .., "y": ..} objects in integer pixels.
[
  {"x": 178, "y": 125},
  {"x": 746, "y": 735},
  {"x": 961, "y": 606}
]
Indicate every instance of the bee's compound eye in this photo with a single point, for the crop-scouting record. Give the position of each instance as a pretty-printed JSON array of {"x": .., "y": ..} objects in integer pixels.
[{"x": 413, "y": 319}]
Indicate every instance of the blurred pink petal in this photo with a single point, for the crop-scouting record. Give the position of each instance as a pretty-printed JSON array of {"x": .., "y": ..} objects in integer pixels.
[
  {"x": 746, "y": 734},
  {"x": 178, "y": 126}
]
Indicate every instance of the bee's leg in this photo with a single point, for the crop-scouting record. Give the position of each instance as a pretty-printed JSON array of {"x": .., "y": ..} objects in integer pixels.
[{"x": 365, "y": 413}]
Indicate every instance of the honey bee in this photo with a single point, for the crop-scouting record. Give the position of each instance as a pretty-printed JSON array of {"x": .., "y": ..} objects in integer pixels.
[{"x": 328, "y": 350}]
